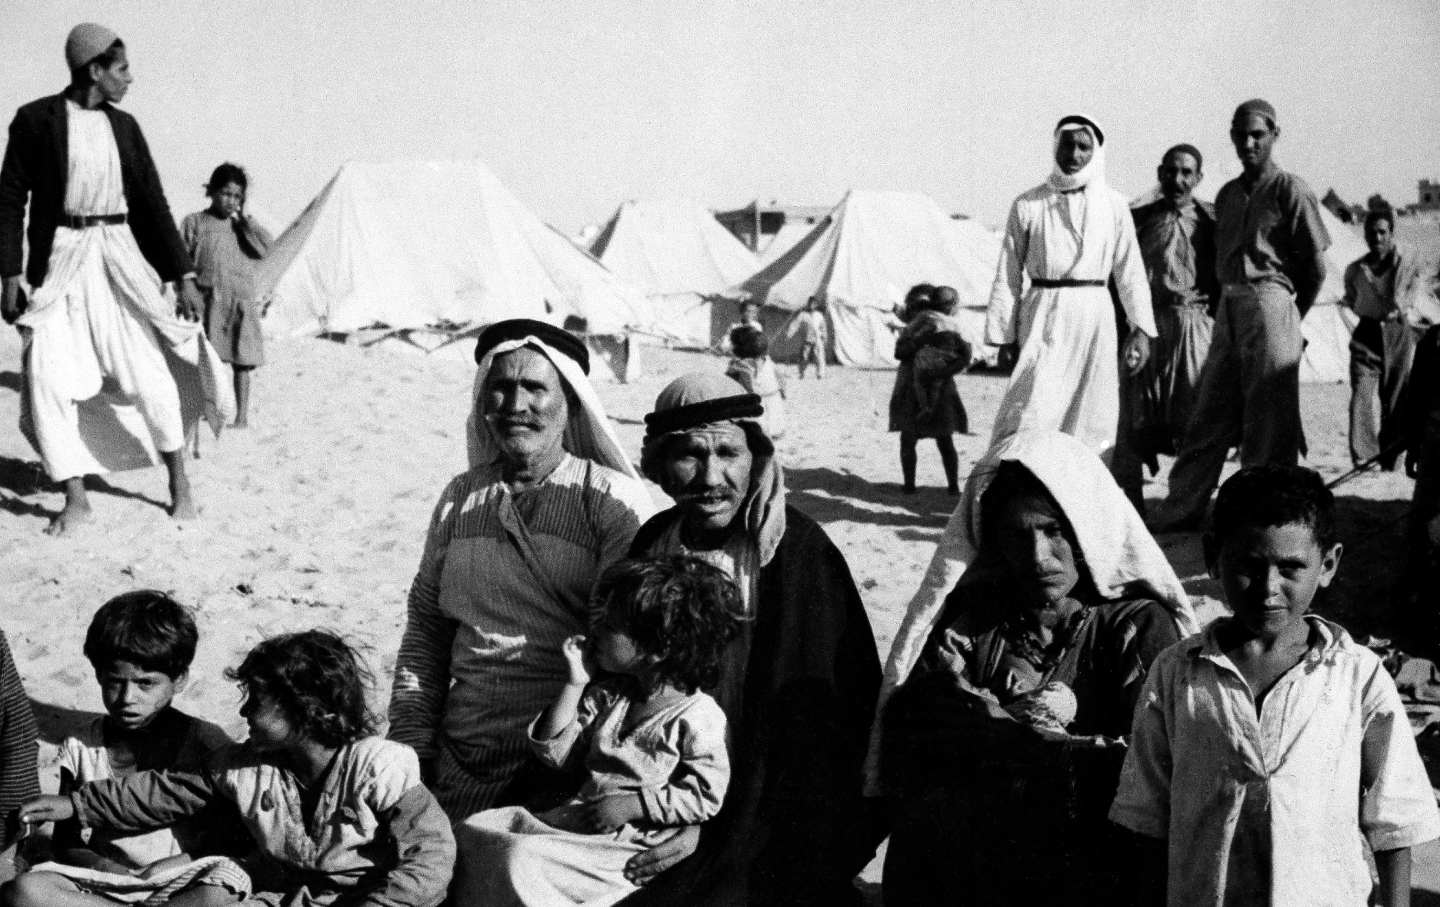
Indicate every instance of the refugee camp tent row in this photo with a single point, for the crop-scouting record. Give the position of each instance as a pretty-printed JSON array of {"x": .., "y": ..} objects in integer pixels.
[
  {"x": 412, "y": 245},
  {"x": 682, "y": 258},
  {"x": 860, "y": 261}
]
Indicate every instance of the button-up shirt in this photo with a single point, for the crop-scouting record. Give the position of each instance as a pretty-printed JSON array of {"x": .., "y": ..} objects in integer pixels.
[
  {"x": 1386, "y": 293},
  {"x": 1265, "y": 230},
  {"x": 1270, "y": 808}
]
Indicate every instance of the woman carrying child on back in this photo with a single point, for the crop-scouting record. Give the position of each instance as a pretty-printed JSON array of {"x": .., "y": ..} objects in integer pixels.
[
  {"x": 225, "y": 244},
  {"x": 925, "y": 402},
  {"x": 336, "y": 814},
  {"x": 752, "y": 367},
  {"x": 652, "y": 744}
]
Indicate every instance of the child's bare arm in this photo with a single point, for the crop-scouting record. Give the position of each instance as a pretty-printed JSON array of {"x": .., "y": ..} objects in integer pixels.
[
  {"x": 561, "y": 713},
  {"x": 1394, "y": 869}
]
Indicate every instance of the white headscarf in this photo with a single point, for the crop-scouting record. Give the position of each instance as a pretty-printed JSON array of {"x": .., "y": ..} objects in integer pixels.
[
  {"x": 588, "y": 433},
  {"x": 1122, "y": 557},
  {"x": 1093, "y": 173}
]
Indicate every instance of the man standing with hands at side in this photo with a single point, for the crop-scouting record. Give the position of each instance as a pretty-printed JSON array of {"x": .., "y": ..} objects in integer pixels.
[
  {"x": 102, "y": 240},
  {"x": 1270, "y": 245}
]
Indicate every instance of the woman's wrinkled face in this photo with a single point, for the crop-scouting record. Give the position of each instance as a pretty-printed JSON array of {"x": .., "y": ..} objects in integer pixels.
[
  {"x": 523, "y": 403},
  {"x": 1036, "y": 548},
  {"x": 707, "y": 472}
]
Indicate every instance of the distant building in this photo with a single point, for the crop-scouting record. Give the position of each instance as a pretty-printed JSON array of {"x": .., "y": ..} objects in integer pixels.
[
  {"x": 754, "y": 222},
  {"x": 1429, "y": 196},
  {"x": 1336, "y": 206}
]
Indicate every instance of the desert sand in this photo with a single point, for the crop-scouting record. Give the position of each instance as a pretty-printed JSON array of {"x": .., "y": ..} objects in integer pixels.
[{"x": 315, "y": 516}]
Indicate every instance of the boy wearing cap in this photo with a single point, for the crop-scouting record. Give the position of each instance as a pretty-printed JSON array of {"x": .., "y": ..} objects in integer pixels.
[
  {"x": 99, "y": 224},
  {"x": 1269, "y": 260}
]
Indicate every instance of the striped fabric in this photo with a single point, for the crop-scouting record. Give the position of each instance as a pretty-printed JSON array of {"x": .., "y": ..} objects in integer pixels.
[
  {"x": 503, "y": 580},
  {"x": 19, "y": 780}
]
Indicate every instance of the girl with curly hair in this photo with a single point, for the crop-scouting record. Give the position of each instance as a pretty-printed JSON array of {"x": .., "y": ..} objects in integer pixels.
[
  {"x": 651, "y": 743},
  {"x": 336, "y": 814}
]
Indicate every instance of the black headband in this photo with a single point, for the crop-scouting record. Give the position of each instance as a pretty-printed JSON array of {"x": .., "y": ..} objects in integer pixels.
[
  {"x": 558, "y": 339},
  {"x": 1076, "y": 119},
  {"x": 693, "y": 415}
]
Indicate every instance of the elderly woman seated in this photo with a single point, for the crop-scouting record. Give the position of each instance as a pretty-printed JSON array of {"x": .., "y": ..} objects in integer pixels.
[
  {"x": 1002, "y": 750},
  {"x": 798, "y": 685}
]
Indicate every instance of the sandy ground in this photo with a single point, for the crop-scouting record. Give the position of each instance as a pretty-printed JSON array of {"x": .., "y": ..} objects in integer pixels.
[{"x": 316, "y": 515}]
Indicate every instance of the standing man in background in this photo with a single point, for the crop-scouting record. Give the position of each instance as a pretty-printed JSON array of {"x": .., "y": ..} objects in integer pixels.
[
  {"x": 1176, "y": 233},
  {"x": 1269, "y": 258},
  {"x": 102, "y": 240}
]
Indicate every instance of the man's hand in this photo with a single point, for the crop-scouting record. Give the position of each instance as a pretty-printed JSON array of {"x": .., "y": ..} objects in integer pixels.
[
  {"x": 643, "y": 867},
  {"x": 1137, "y": 352},
  {"x": 610, "y": 813},
  {"x": 10, "y": 307},
  {"x": 578, "y": 658},
  {"x": 49, "y": 808},
  {"x": 190, "y": 303}
]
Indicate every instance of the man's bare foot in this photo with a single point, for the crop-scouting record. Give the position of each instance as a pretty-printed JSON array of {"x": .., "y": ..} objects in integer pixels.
[
  {"x": 240, "y": 423},
  {"x": 182, "y": 503},
  {"x": 75, "y": 511}
]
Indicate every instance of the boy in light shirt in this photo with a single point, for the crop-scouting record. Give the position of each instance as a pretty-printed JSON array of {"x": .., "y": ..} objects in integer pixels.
[{"x": 1270, "y": 749}]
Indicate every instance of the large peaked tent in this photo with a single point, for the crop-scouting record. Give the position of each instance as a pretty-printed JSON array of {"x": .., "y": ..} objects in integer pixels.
[
  {"x": 1328, "y": 324},
  {"x": 415, "y": 243},
  {"x": 679, "y": 254},
  {"x": 861, "y": 260}
]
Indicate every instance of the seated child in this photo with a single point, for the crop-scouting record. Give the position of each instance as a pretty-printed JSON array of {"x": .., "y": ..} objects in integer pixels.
[
  {"x": 335, "y": 814},
  {"x": 19, "y": 780},
  {"x": 1270, "y": 750},
  {"x": 140, "y": 645},
  {"x": 940, "y": 351},
  {"x": 754, "y": 370},
  {"x": 652, "y": 744}
]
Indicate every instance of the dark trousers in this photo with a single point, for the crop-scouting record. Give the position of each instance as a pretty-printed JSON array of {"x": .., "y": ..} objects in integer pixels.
[{"x": 1380, "y": 356}]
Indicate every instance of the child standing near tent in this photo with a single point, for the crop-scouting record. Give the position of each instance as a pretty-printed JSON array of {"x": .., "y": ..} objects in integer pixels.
[
  {"x": 940, "y": 351},
  {"x": 752, "y": 367},
  {"x": 810, "y": 328},
  {"x": 652, "y": 742},
  {"x": 225, "y": 243}
]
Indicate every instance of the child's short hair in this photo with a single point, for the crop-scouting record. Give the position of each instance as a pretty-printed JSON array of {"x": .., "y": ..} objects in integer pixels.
[
  {"x": 224, "y": 175},
  {"x": 316, "y": 679},
  {"x": 146, "y": 628},
  {"x": 748, "y": 343},
  {"x": 1275, "y": 496},
  {"x": 944, "y": 300},
  {"x": 679, "y": 609}
]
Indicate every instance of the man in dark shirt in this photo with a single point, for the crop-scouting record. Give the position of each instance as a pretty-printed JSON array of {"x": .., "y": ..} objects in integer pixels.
[
  {"x": 1176, "y": 233},
  {"x": 1270, "y": 265}
]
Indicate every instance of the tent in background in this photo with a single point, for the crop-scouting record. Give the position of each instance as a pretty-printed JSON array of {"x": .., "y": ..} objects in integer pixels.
[
  {"x": 1328, "y": 324},
  {"x": 415, "y": 244},
  {"x": 679, "y": 254},
  {"x": 861, "y": 260}
]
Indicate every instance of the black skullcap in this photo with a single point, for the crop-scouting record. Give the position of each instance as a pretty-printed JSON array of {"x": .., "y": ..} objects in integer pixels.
[
  {"x": 519, "y": 328},
  {"x": 1185, "y": 148},
  {"x": 1076, "y": 119},
  {"x": 1256, "y": 106}
]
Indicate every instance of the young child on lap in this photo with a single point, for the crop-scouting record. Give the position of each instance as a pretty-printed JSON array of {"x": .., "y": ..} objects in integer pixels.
[
  {"x": 335, "y": 814},
  {"x": 652, "y": 743},
  {"x": 140, "y": 645},
  {"x": 1270, "y": 750}
]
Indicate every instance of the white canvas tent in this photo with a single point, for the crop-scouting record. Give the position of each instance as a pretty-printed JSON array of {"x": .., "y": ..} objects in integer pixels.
[
  {"x": 1328, "y": 324},
  {"x": 416, "y": 243},
  {"x": 861, "y": 260},
  {"x": 679, "y": 254}
]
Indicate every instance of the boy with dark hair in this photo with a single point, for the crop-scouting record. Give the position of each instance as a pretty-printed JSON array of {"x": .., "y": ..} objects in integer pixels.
[
  {"x": 141, "y": 645},
  {"x": 1264, "y": 747}
]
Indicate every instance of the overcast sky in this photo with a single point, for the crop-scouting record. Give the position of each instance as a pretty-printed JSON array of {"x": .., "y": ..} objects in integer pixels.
[{"x": 578, "y": 106}]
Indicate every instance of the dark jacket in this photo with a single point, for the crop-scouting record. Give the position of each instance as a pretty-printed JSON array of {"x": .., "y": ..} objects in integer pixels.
[
  {"x": 794, "y": 828},
  {"x": 35, "y": 167}
]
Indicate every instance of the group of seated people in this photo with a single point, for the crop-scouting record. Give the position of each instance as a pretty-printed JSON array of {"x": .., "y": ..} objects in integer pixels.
[{"x": 594, "y": 704}]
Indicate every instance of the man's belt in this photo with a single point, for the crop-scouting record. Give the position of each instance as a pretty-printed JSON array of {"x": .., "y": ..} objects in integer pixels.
[
  {"x": 81, "y": 221},
  {"x": 1046, "y": 284}
]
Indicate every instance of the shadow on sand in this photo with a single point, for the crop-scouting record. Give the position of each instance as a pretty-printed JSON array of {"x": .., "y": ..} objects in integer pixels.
[
  {"x": 58, "y": 722},
  {"x": 829, "y": 495}
]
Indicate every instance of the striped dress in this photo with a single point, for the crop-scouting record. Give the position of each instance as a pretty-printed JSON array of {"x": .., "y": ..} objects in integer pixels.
[
  {"x": 503, "y": 580},
  {"x": 19, "y": 780}
]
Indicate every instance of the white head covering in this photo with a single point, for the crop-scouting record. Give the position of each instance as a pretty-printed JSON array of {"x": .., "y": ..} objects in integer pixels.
[
  {"x": 1093, "y": 173},
  {"x": 588, "y": 433},
  {"x": 1122, "y": 557}
]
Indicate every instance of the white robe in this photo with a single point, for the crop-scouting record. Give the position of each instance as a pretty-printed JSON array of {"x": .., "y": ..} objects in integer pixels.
[
  {"x": 113, "y": 376},
  {"x": 1067, "y": 375}
]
